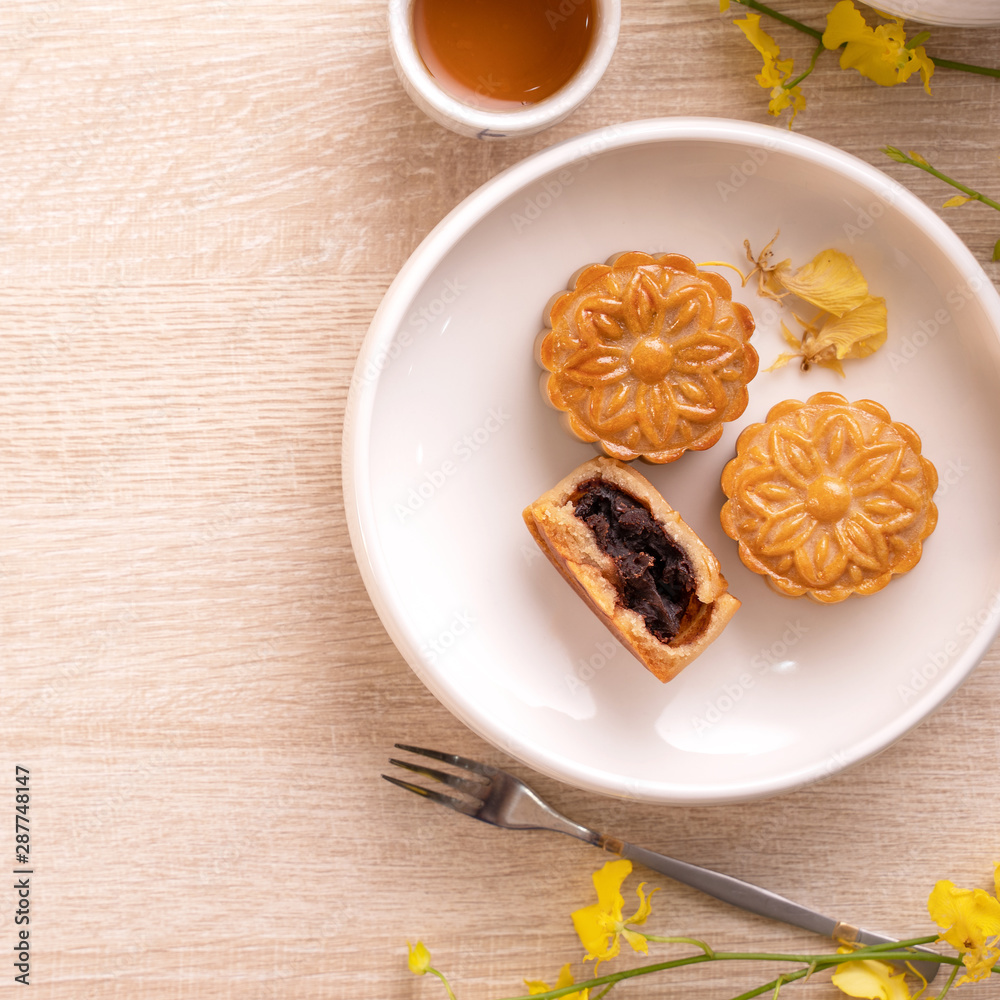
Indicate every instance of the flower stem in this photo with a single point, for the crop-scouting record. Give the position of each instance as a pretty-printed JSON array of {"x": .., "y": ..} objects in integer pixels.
[
  {"x": 447, "y": 986},
  {"x": 818, "y": 35},
  {"x": 947, "y": 985},
  {"x": 898, "y": 953},
  {"x": 775, "y": 984},
  {"x": 788, "y": 84},
  {"x": 783, "y": 18},
  {"x": 681, "y": 940},
  {"x": 900, "y": 157},
  {"x": 965, "y": 67}
]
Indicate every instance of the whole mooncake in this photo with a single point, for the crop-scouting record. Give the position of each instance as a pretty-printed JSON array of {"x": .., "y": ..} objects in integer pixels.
[
  {"x": 829, "y": 498},
  {"x": 647, "y": 356}
]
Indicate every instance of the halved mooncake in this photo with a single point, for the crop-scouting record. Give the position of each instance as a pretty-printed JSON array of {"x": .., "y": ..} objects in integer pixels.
[{"x": 635, "y": 562}]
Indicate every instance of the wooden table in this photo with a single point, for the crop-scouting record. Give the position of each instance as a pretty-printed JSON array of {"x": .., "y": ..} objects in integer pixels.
[{"x": 203, "y": 205}]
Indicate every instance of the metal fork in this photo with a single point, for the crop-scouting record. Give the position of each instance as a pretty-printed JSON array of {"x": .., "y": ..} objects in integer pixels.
[{"x": 500, "y": 799}]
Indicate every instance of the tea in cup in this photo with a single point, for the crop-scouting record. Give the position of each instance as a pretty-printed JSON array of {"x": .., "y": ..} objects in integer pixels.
[{"x": 501, "y": 68}]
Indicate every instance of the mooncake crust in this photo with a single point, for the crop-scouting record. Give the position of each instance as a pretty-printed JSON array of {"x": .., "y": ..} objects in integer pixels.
[
  {"x": 646, "y": 356},
  {"x": 571, "y": 547},
  {"x": 829, "y": 498}
]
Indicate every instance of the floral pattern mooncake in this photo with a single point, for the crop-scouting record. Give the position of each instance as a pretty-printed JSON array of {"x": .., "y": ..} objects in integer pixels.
[
  {"x": 647, "y": 356},
  {"x": 829, "y": 498}
]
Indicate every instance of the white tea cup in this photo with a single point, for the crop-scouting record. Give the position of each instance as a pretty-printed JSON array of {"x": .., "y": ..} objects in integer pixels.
[{"x": 490, "y": 123}]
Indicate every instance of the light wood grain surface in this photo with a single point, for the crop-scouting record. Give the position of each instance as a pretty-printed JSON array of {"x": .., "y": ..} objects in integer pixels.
[{"x": 203, "y": 203}]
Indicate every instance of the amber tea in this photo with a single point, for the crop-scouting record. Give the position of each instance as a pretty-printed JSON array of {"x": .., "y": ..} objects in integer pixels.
[{"x": 503, "y": 54}]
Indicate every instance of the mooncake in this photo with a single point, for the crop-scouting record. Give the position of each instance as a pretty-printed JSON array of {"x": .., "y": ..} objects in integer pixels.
[
  {"x": 829, "y": 498},
  {"x": 646, "y": 356},
  {"x": 639, "y": 567}
]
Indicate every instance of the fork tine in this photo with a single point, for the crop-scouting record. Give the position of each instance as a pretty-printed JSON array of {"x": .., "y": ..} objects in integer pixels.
[
  {"x": 474, "y": 788},
  {"x": 458, "y": 805},
  {"x": 451, "y": 758}
]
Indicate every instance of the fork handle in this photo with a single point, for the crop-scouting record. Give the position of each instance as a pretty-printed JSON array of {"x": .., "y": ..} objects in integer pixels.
[
  {"x": 755, "y": 899},
  {"x": 735, "y": 891}
]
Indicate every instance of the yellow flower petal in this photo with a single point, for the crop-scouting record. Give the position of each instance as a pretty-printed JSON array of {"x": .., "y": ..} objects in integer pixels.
[
  {"x": 831, "y": 280},
  {"x": 954, "y": 202},
  {"x": 775, "y": 70},
  {"x": 608, "y": 882},
  {"x": 758, "y": 37},
  {"x": 878, "y": 53},
  {"x": 598, "y": 942},
  {"x": 857, "y": 334},
  {"x": 565, "y": 979},
  {"x": 871, "y": 979},
  {"x": 599, "y": 925},
  {"x": 786, "y": 97},
  {"x": 781, "y": 360},
  {"x": 926, "y": 66},
  {"x": 636, "y": 940},
  {"x": 723, "y": 6},
  {"x": 419, "y": 958},
  {"x": 833, "y": 364},
  {"x": 645, "y": 905},
  {"x": 970, "y": 922},
  {"x": 966, "y": 916}
]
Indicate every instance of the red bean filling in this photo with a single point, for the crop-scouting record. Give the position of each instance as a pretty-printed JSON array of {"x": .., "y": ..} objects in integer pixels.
[{"x": 655, "y": 577}]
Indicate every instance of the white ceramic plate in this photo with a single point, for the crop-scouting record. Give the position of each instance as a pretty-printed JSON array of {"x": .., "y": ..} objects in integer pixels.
[
  {"x": 447, "y": 439},
  {"x": 960, "y": 13}
]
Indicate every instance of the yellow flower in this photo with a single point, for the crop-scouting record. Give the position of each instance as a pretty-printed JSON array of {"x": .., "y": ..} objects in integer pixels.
[
  {"x": 879, "y": 53},
  {"x": 776, "y": 71},
  {"x": 565, "y": 979},
  {"x": 419, "y": 959},
  {"x": 856, "y": 334},
  {"x": 871, "y": 979},
  {"x": 600, "y": 926},
  {"x": 831, "y": 280},
  {"x": 970, "y": 923},
  {"x": 853, "y": 323}
]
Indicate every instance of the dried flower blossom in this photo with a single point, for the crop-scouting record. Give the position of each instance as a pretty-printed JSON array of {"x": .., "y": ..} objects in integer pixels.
[
  {"x": 852, "y": 322},
  {"x": 831, "y": 280}
]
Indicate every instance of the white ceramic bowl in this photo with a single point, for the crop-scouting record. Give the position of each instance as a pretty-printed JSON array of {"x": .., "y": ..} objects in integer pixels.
[
  {"x": 480, "y": 123},
  {"x": 447, "y": 438},
  {"x": 960, "y": 13}
]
